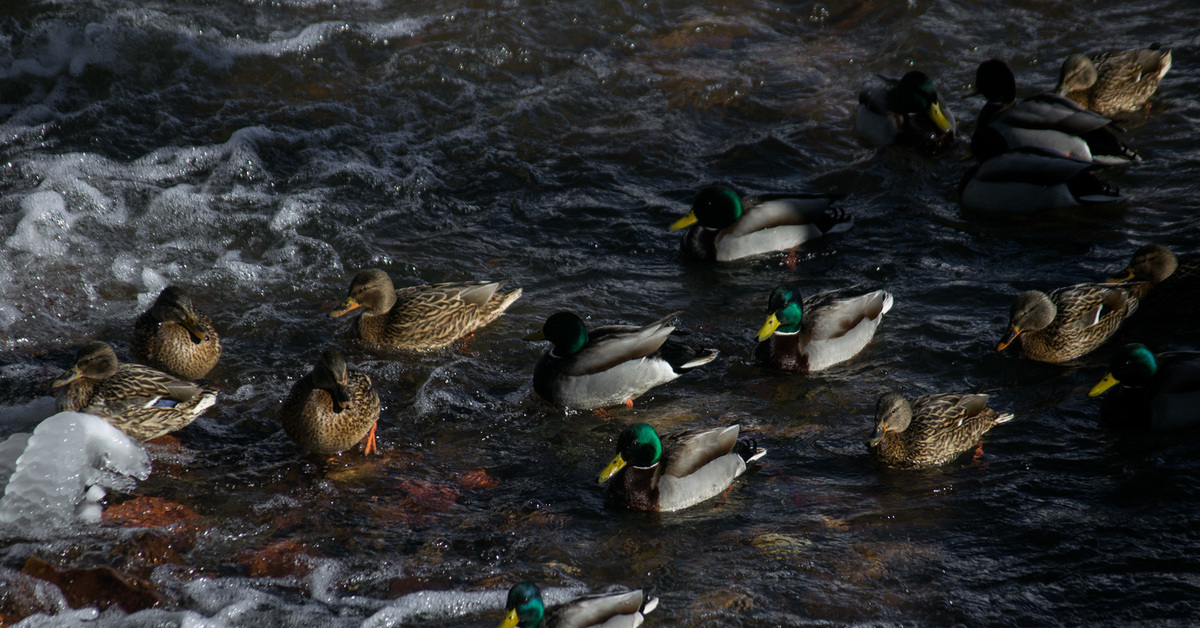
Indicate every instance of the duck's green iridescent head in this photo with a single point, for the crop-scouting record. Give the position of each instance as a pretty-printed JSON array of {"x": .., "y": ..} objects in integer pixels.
[
  {"x": 716, "y": 207},
  {"x": 1134, "y": 365},
  {"x": 785, "y": 313},
  {"x": 915, "y": 93},
  {"x": 638, "y": 445},
  {"x": 565, "y": 331},
  {"x": 525, "y": 607}
]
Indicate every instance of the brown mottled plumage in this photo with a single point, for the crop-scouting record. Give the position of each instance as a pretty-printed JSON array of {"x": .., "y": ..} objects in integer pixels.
[
  {"x": 932, "y": 430},
  {"x": 1167, "y": 283},
  {"x": 1115, "y": 81},
  {"x": 129, "y": 396},
  {"x": 331, "y": 408},
  {"x": 1069, "y": 322},
  {"x": 173, "y": 337},
  {"x": 421, "y": 317}
]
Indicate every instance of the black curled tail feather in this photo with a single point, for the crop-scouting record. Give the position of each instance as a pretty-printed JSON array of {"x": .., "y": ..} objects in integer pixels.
[
  {"x": 681, "y": 357},
  {"x": 834, "y": 216},
  {"x": 749, "y": 450}
]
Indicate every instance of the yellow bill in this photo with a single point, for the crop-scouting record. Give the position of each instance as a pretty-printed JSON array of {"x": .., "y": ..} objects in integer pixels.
[
  {"x": 617, "y": 464},
  {"x": 768, "y": 328},
  {"x": 686, "y": 221},
  {"x": 510, "y": 620},
  {"x": 935, "y": 114},
  {"x": 1108, "y": 382}
]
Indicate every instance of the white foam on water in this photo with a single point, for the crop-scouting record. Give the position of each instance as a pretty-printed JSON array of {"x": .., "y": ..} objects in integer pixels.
[{"x": 44, "y": 226}]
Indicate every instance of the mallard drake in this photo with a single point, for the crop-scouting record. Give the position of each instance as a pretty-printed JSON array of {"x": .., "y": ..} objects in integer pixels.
[
  {"x": 804, "y": 335},
  {"x": 1172, "y": 284},
  {"x": 1045, "y": 121},
  {"x": 144, "y": 403},
  {"x": 675, "y": 471},
  {"x": 931, "y": 430},
  {"x": 526, "y": 610},
  {"x": 1029, "y": 180},
  {"x": 608, "y": 365},
  {"x": 732, "y": 227},
  {"x": 332, "y": 408},
  {"x": 172, "y": 336},
  {"x": 421, "y": 317},
  {"x": 905, "y": 111},
  {"x": 1151, "y": 391},
  {"x": 1115, "y": 81},
  {"x": 1069, "y": 322}
]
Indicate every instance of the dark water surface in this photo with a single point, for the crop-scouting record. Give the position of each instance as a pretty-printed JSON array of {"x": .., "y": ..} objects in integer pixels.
[{"x": 261, "y": 153}]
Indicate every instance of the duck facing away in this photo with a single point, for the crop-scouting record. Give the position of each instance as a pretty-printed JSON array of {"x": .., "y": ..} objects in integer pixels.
[
  {"x": 1069, "y": 322},
  {"x": 678, "y": 470},
  {"x": 905, "y": 111},
  {"x": 525, "y": 609},
  {"x": 421, "y": 317},
  {"x": 724, "y": 226},
  {"x": 1029, "y": 180},
  {"x": 805, "y": 335},
  {"x": 1113, "y": 82},
  {"x": 142, "y": 402},
  {"x": 609, "y": 365},
  {"x": 332, "y": 408},
  {"x": 931, "y": 430},
  {"x": 1144, "y": 390},
  {"x": 172, "y": 336}
]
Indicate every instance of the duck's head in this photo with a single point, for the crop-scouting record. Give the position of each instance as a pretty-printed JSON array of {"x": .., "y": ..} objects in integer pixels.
[
  {"x": 173, "y": 305},
  {"x": 1134, "y": 365},
  {"x": 1078, "y": 73},
  {"x": 892, "y": 414},
  {"x": 914, "y": 94},
  {"x": 525, "y": 607},
  {"x": 1032, "y": 311},
  {"x": 329, "y": 374},
  {"x": 95, "y": 360},
  {"x": 785, "y": 314},
  {"x": 372, "y": 290},
  {"x": 638, "y": 445},
  {"x": 1153, "y": 263},
  {"x": 995, "y": 80},
  {"x": 715, "y": 207},
  {"x": 565, "y": 331}
]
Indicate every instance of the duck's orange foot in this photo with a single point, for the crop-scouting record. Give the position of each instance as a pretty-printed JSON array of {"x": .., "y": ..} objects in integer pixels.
[
  {"x": 370, "y": 446},
  {"x": 978, "y": 452},
  {"x": 629, "y": 402},
  {"x": 791, "y": 260}
]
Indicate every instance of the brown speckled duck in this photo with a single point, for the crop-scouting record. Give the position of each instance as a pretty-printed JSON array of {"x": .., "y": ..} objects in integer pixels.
[
  {"x": 1115, "y": 81},
  {"x": 332, "y": 408},
  {"x": 931, "y": 430},
  {"x": 1069, "y": 322},
  {"x": 173, "y": 337},
  {"x": 1168, "y": 284}
]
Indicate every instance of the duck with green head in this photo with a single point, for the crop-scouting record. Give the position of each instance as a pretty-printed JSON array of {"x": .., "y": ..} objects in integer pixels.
[
  {"x": 1144, "y": 390},
  {"x": 172, "y": 336},
  {"x": 804, "y": 335},
  {"x": 332, "y": 408},
  {"x": 676, "y": 470},
  {"x": 1069, "y": 322},
  {"x": 1113, "y": 82},
  {"x": 905, "y": 111},
  {"x": 931, "y": 429},
  {"x": 610, "y": 365},
  {"x": 725, "y": 226},
  {"x": 525, "y": 609}
]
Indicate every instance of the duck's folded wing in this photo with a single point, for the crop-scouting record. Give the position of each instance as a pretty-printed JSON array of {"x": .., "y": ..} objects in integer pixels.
[
  {"x": 1031, "y": 165},
  {"x": 1051, "y": 111},
  {"x": 137, "y": 381},
  {"x": 613, "y": 345},
  {"x": 780, "y": 212},
  {"x": 949, "y": 410},
  {"x": 595, "y": 610},
  {"x": 687, "y": 452},
  {"x": 828, "y": 316},
  {"x": 448, "y": 294}
]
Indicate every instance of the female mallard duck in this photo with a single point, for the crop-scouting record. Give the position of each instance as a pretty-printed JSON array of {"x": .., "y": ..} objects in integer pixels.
[
  {"x": 421, "y": 317},
  {"x": 932, "y": 430},
  {"x": 731, "y": 227},
  {"x": 905, "y": 111},
  {"x": 1115, "y": 81},
  {"x": 679, "y": 470},
  {"x": 608, "y": 365},
  {"x": 815, "y": 333},
  {"x": 1069, "y": 322},
  {"x": 1044, "y": 121},
  {"x": 1028, "y": 180},
  {"x": 332, "y": 408},
  {"x": 1152, "y": 391},
  {"x": 1167, "y": 282},
  {"x": 144, "y": 403},
  {"x": 526, "y": 609},
  {"x": 173, "y": 337}
]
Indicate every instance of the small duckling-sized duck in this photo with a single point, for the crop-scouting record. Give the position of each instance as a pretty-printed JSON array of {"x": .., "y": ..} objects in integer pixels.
[
  {"x": 905, "y": 111},
  {"x": 931, "y": 430},
  {"x": 609, "y": 365},
  {"x": 1113, "y": 82},
  {"x": 805, "y": 335},
  {"x": 1167, "y": 282},
  {"x": 525, "y": 609},
  {"x": 1069, "y": 322},
  {"x": 421, "y": 317},
  {"x": 732, "y": 227},
  {"x": 678, "y": 470},
  {"x": 332, "y": 408},
  {"x": 172, "y": 336},
  {"x": 144, "y": 403},
  {"x": 1151, "y": 391}
]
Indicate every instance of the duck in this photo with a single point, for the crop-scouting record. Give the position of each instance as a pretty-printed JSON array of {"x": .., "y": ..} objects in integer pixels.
[
  {"x": 1148, "y": 391},
  {"x": 1173, "y": 282},
  {"x": 1113, "y": 82},
  {"x": 1046, "y": 121},
  {"x": 805, "y": 335},
  {"x": 332, "y": 408},
  {"x": 732, "y": 227},
  {"x": 173, "y": 337},
  {"x": 1069, "y": 322},
  {"x": 930, "y": 430},
  {"x": 905, "y": 111},
  {"x": 422, "y": 317},
  {"x": 525, "y": 609},
  {"x": 1029, "y": 179},
  {"x": 609, "y": 365},
  {"x": 678, "y": 470},
  {"x": 142, "y": 402}
]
